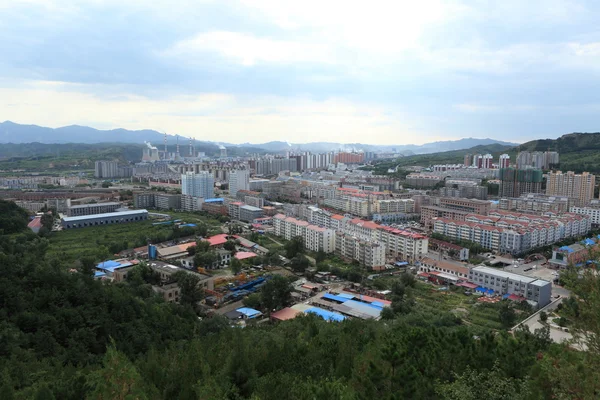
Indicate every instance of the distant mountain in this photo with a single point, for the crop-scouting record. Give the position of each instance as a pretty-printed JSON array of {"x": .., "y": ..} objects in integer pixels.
[{"x": 11, "y": 132}]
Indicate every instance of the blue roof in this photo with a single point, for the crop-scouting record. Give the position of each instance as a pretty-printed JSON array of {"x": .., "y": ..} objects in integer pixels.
[
  {"x": 506, "y": 296},
  {"x": 361, "y": 304},
  {"x": 346, "y": 296},
  {"x": 214, "y": 200},
  {"x": 588, "y": 242},
  {"x": 108, "y": 265},
  {"x": 480, "y": 289},
  {"x": 378, "y": 304},
  {"x": 186, "y": 225},
  {"x": 490, "y": 291},
  {"x": 326, "y": 315},
  {"x": 99, "y": 274},
  {"x": 249, "y": 312},
  {"x": 401, "y": 263},
  {"x": 567, "y": 249},
  {"x": 333, "y": 297}
]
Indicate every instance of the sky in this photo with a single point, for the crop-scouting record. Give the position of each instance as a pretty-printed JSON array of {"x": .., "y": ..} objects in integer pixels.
[{"x": 377, "y": 72}]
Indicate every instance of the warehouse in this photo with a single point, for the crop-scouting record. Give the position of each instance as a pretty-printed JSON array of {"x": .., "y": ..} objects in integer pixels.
[{"x": 104, "y": 219}]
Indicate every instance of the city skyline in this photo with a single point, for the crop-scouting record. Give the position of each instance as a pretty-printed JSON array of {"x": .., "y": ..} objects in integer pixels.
[{"x": 392, "y": 72}]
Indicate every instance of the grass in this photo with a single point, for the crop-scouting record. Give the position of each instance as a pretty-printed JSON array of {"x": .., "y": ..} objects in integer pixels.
[
  {"x": 484, "y": 315},
  {"x": 102, "y": 242}
]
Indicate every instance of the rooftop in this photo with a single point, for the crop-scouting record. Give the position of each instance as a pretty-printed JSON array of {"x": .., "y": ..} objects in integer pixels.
[
  {"x": 112, "y": 203},
  {"x": 106, "y": 215},
  {"x": 504, "y": 274},
  {"x": 251, "y": 208}
]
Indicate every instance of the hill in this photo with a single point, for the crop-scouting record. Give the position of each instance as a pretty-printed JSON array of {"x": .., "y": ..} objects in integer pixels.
[
  {"x": 578, "y": 151},
  {"x": 446, "y": 157},
  {"x": 11, "y": 132}
]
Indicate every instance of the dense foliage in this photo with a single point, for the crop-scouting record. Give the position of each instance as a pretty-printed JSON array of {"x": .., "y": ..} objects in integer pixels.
[
  {"x": 65, "y": 335},
  {"x": 12, "y": 217}
]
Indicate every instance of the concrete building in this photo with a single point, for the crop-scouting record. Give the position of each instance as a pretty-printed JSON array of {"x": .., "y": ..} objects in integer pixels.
[
  {"x": 165, "y": 201},
  {"x": 106, "y": 169},
  {"x": 250, "y": 213},
  {"x": 423, "y": 181},
  {"x": 572, "y": 185},
  {"x": 537, "y": 203},
  {"x": 537, "y": 159},
  {"x": 144, "y": 200},
  {"x": 104, "y": 219},
  {"x": 239, "y": 179},
  {"x": 504, "y": 161},
  {"x": 198, "y": 184},
  {"x": 368, "y": 253},
  {"x": 501, "y": 282},
  {"x": 448, "y": 271},
  {"x": 191, "y": 203},
  {"x": 592, "y": 212},
  {"x": 89, "y": 209},
  {"x": 513, "y": 233},
  {"x": 453, "y": 208},
  {"x": 315, "y": 238},
  {"x": 515, "y": 182},
  {"x": 233, "y": 209}
]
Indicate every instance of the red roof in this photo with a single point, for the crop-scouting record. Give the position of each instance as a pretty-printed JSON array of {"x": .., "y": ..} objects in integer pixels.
[
  {"x": 242, "y": 255},
  {"x": 35, "y": 223},
  {"x": 217, "y": 239},
  {"x": 285, "y": 314},
  {"x": 337, "y": 216}
]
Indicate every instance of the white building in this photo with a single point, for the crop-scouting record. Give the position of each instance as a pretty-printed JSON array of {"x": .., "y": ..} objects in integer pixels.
[
  {"x": 501, "y": 282},
  {"x": 239, "y": 179},
  {"x": 191, "y": 203},
  {"x": 198, "y": 184},
  {"x": 315, "y": 238},
  {"x": 592, "y": 212}
]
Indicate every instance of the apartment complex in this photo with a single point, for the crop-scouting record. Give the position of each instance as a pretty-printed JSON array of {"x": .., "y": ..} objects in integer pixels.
[
  {"x": 198, "y": 184},
  {"x": 592, "y": 212},
  {"x": 315, "y": 238},
  {"x": 88, "y": 209},
  {"x": 239, "y": 179},
  {"x": 572, "y": 185},
  {"x": 515, "y": 182},
  {"x": 501, "y": 282},
  {"x": 513, "y": 232},
  {"x": 368, "y": 253},
  {"x": 453, "y": 208},
  {"x": 537, "y": 203},
  {"x": 537, "y": 159}
]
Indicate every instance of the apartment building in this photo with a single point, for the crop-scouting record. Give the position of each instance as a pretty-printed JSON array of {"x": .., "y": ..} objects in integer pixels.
[
  {"x": 592, "y": 212},
  {"x": 191, "y": 203},
  {"x": 315, "y": 238},
  {"x": 368, "y": 253},
  {"x": 537, "y": 203},
  {"x": 512, "y": 232},
  {"x": 89, "y": 209},
  {"x": 572, "y": 185},
  {"x": 515, "y": 182},
  {"x": 453, "y": 208},
  {"x": 502, "y": 282}
]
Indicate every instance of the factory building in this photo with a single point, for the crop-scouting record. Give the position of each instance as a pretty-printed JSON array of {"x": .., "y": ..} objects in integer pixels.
[{"x": 104, "y": 219}]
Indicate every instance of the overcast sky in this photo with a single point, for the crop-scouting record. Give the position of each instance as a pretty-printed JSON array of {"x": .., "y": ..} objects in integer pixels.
[{"x": 381, "y": 72}]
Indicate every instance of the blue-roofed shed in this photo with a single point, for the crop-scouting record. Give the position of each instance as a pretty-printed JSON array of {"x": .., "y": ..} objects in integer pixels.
[
  {"x": 400, "y": 263},
  {"x": 567, "y": 249},
  {"x": 109, "y": 265},
  {"x": 346, "y": 296},
  {"x": 588, "y": 242},
  {"x": 339, "y": 299},
  {"x": 326, "y": 315},
  {"x": 249, "y": 312}
]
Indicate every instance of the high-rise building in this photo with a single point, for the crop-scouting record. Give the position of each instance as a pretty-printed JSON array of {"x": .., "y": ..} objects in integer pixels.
[
  {"x": 537, "y": 159},
  {"x": 467, "y": 160},
  {"x": 239, "y": 179},
  {"x": 198, "y": 184},
  {"x": 487, "y": 161},
  {"x": 576, "y": 186},
  {"x": 106, "y": 169},
  {"x": 504, "y": 161},
  {"x": 514, "y": 181}
]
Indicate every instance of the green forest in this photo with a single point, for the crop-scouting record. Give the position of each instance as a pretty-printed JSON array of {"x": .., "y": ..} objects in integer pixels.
[{"x": 64, "y": 335}]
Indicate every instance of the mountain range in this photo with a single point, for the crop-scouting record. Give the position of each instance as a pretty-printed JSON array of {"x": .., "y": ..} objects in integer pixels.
[{"x": 11, "y": 132}]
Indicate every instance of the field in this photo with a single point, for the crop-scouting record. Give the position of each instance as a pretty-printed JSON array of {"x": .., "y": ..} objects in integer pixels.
[
  {"x": 103, "y": 242},
  {"x": 472, "y": 312}
]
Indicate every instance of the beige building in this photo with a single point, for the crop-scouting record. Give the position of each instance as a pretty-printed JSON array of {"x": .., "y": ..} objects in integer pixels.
[{"x": 570, "y": 184}]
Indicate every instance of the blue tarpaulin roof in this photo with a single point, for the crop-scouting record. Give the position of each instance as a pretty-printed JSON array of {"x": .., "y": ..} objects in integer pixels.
[
  {"x": 567, "y": 249},
  {"x": 329, "y": 296},
  {"x": 99, "y": 274},
  {"x": 326, "y": 315},
  {"x": 489, "y": 291},
  {"x": 109, "y": 265},
  {"x": 346, "y": 296},
  {"x": 506, "y": 296},
  {"x": 249, "y": 312},
  {"x": 400, "y": 263},
  {"x": 480, "y": 289},
  {"x": 588, "y": 242}
]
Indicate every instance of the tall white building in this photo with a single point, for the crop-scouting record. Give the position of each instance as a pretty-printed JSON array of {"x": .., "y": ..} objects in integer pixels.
[
  {"x": 239, "y": 179},
  {"x": 198, "y": 184}
]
